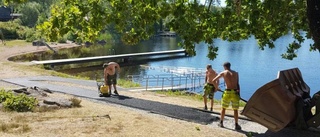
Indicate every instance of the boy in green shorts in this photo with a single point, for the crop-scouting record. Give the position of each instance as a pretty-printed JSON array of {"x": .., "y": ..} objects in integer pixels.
[{"x": 209, "y": 87}]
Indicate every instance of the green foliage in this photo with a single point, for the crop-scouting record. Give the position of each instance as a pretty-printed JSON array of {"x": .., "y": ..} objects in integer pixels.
[
  {"x": 31, "y": 35},
  {"x": 127, "y": 83},
  {"x": 266, "y": 20},
  {"x": 31, "y": 12},
  {"x": 4, "y": 95},
  {"x": 134, "y": 20},
  {"x": 13, "y": 30},
  {"x": 19, "y": 103},
  {"x": 105, "y": 36},
  {"x": 62, "y": 40},
  {"x": 7, "y": 2}
]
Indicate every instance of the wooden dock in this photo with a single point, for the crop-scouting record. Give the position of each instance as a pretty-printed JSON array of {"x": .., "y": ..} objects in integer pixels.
[{"x": 103, "y": 58}]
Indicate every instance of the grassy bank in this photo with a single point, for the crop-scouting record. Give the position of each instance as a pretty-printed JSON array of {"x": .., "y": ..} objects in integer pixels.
[
  {"x": 11, "y": 43},
  {"x": 191, "y": 96}
]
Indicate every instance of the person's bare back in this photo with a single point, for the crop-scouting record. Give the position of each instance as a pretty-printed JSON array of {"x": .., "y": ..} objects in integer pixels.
[
  {"x": 231, "y": 79},
  {"x": 111, "y": 68},
  {"x": 210, "y": 75}
]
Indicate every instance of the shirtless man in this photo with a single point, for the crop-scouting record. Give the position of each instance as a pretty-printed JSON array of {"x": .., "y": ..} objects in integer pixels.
[
  {"x": 209, "y": 87},
  {"x": 231, "y": 93},
  {"x": 110, "y": 75}
]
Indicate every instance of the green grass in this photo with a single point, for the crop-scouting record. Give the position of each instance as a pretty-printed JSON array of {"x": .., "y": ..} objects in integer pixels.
[
  {"x": 191, "y": 96},
  {"x": 127, "y": 83},
  {"x": 11, "y": 43},
  {"x": 181, "y": 94}
]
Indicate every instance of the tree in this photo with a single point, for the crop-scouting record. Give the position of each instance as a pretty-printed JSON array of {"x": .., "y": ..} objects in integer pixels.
[
  {"x": 30, "y": 14},
  {"x": 266, "y": 20}
]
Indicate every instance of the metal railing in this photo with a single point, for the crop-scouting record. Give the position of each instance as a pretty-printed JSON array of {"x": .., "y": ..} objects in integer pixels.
[
  {"x": 169, "y": 81},
  {"x": 176, "y": 78}
]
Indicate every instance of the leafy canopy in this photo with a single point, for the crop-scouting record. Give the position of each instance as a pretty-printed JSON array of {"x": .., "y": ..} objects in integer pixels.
[{"x": 266, "y": 20}]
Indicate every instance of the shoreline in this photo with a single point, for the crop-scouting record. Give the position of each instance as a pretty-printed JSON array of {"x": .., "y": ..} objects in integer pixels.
[{"x": 125, "y": 121}]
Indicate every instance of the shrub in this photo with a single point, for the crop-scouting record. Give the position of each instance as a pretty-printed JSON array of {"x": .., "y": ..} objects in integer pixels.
[
  {"x": 4, "y": 95},
  {"x": 13, "y": 30},
  {"x": 62, "y": 40},
  {"x": 20, "y": 103},
  {"x": 75, "y": 102},
  {"x": 31, "y": 35}
]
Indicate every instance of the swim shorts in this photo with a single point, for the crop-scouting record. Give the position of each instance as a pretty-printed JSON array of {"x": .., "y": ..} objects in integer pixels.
[
  {"x": 209, "y": 90},
  {"x": 230, "y": 95},
  {"x": 112, "y": 79}
]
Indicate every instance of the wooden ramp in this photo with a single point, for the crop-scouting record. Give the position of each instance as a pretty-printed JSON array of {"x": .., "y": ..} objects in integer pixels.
[{"x": 102, "y": 58}]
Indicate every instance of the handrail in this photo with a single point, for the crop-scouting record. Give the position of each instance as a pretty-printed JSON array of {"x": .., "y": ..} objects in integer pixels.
[{"x": 168, "y": 81}]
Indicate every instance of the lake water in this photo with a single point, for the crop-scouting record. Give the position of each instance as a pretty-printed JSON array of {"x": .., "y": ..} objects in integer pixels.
[{"x": 256, "y": 67}]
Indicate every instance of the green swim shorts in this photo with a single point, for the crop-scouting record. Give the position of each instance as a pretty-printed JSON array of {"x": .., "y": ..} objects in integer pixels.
[
  {"x": 209, "y": 90},
  {"x": 230, "y": 96}
]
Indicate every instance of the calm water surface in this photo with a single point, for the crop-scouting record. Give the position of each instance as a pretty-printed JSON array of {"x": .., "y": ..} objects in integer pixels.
[{"x": 256, "y": 67}]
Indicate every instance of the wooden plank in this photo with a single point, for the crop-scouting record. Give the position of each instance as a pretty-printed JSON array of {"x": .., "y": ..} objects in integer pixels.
[{"x": 101, "y": 58}]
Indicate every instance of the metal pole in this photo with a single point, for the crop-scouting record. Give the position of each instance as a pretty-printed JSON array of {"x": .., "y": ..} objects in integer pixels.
[
  {"x": 147, "y": 81},
  {"x": 180, "y": 80},
  {"x": 171, "y": 81},
  {"x": 158, "y": 81},
  {"x": 186, "y": 82},
  {"x": 162, "y": 84},
  {"x": 192, "y": 81}
]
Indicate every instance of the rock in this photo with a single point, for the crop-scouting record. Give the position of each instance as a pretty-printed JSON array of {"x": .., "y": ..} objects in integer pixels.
[
  {"x": 22, "y": 90},
  {"x": 35, "y": 91},
  {"x": 58, "y": 101},
  {"x": 38, "y": 43},
  {"x": 101, "y": 42},
  {"x": 42, "y": 94},
  {"x": 43, "y": 89}
]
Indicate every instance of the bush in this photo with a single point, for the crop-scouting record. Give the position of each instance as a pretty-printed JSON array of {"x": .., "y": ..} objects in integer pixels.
[
  {"x": 75, "y": 102},
  {"x": 13, "y": 30},
  {"x": 19, "y": 103},
  {"x": 30, "y": 35},
  {"x": 62, "y": 40},
  {"x": 4, "y": 95}
]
